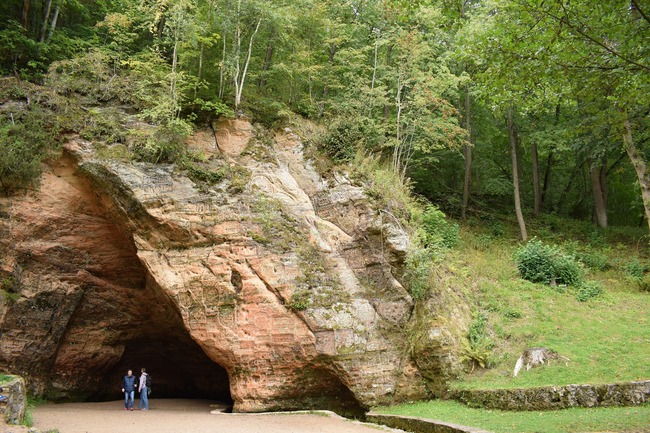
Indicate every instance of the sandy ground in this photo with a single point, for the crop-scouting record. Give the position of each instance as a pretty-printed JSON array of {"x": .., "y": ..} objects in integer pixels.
[{"x": 184, "y": 416}]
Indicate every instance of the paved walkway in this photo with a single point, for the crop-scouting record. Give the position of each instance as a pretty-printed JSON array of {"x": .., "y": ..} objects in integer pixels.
[{"x": 186, "y": 416}]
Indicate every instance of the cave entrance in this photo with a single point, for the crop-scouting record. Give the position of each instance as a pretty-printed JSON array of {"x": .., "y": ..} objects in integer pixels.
[{"x": 178, "y": 366}]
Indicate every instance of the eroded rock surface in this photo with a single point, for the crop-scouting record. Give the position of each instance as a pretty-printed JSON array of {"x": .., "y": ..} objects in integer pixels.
[{"x": 282, "y": 294}]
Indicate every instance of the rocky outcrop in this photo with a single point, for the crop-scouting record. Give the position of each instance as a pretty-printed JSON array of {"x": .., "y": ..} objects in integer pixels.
[
  {"x": 12, "y": 410},
  {"x": 280, "y": 293}
]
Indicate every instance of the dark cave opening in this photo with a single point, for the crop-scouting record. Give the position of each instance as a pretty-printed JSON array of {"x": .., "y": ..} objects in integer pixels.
[{"x": 178, "y": 367}]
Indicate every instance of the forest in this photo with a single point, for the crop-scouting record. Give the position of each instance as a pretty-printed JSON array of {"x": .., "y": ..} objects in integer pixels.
[{"x": 521, "y": 107}]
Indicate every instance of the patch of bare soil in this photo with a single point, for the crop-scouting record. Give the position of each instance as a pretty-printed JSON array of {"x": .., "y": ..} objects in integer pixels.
[{"x": 186, "y": 416}]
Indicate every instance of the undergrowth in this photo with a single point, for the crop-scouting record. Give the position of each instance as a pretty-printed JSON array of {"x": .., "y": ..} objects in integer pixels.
[{"x": 597, "y": 317}]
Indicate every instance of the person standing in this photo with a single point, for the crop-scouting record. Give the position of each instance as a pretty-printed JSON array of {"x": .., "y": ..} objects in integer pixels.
[
  {"x": 128, "y": 388},
  {"x": 144, "y": 398}
]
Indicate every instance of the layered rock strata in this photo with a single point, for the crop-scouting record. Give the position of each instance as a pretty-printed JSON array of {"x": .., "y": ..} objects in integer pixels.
[{"x": 275, "y": 287}]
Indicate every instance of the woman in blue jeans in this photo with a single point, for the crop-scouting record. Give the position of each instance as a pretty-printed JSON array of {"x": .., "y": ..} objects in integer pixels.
[
  {"x": 128, "y": 388},
  {"x": 144, "y": 399}
]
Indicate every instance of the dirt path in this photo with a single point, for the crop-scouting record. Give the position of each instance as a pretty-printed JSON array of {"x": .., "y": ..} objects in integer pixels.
[{"x": 185, "y": 416}]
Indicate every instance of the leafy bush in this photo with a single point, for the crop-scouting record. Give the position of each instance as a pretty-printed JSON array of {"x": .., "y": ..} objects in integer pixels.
[
  {"x": 345, "y": 135},
  {"x": 24, "y": 144},
  {"x": 436, "y": 230},
  {"x": 477, "y": 348},
  {"x": 644, "y": 283},
  {"x": 637, "y": 272},
  {"x": 594, "y": 260},
  {"x": 547, "y": 264},
  {"x": 634, "y": 269},
  {"x": 165, "y": 144},
  {"x": 201, "y": 174},
  {"x": 418, "y": 269},
  {"x": 588, "y": 290}
]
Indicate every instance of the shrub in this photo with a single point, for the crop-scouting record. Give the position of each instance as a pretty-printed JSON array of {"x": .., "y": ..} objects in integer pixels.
[
  {"x": 594, "y": 260},
  {"x": 436, "y": 230},
  {"x": 418, "y": 269},
  {"x": 24, "y": 144},
  {"x": 634, "y": 269},
  {"x": 200, "y": 174},
  {"x": 588, "y": 290},
  {"x": 346, "y": 134},
  {"x": 164, "y": 145},
  {"x": 541, "y": 263},
  {"x": 477, "y": 348},
  {"x": 644, "y": 283}
]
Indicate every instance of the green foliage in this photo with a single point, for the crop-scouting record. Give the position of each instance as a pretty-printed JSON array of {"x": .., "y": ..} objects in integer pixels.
[
  {"x": 635, "y": 269},
  {"x": 638, "y": 273},
  {"x": 593, "y": 260},
  {"x": 103, "y": 125},
  {"x": 644, "y": 283},
  {"x": 589, "y": 290},
  {"x": 418, "y": 271},
  {"x": 203, "y": 175},
  {"x": 213, "y": 108},
  {"x": 346, "y": 135},
  {"x": 476, "y": 355},
  {"x": 437, "y": 230},
  {"x": 524, "y": 314},
  {"x": 300, "y": 300},
  {"x": 26, "y": 139},
  {"x": 476, "y": 350},
  {"x": 166, "y": 144},
  {"x": 540, "y": 263},
  {"x": 477, "y": 331}
]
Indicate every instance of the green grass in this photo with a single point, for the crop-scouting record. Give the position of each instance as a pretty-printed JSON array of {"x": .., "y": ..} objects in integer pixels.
[
  {"x": 619, "y": 419},
  {"x": 605, "y": 339}
]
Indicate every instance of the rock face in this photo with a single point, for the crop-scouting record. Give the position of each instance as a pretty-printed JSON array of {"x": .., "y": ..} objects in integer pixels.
[
  {"x": 276, "y": 290},
  {"x": 12, "y": 410}
]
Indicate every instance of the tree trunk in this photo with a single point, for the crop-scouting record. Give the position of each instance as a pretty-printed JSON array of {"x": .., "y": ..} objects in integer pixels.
[
  {"x": 638, "y": 161},
  {"x": 54, "y": 20},
  {"x": 45, "y": 20},
  {"x": 568, "y": 186},
  {"x": 267, "y": 59},
  {"x": 389, "y": 51},
  {"x": 537, "y": 193},
  {"x": 199, "y": 74},
  {"x": 321, "y": 108},
  {"x": 467, "y": 153},
  {"x": 223, "y": 67},
  {"x": 240, "y": 85},
  {"x": 512, "y": 133},
  {"x": 547, "y": 178},
  {"x": 25, "y": 17},
  {"x": 549, "y": 165},
  {"x": 600, "y": 208}
]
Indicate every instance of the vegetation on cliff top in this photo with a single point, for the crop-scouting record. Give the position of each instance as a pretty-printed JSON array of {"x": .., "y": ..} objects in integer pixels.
[{"x": 457, "y": 95}]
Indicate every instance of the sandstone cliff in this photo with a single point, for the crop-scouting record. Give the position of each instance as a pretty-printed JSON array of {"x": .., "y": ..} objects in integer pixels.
[{"x": 275, "y": 288}]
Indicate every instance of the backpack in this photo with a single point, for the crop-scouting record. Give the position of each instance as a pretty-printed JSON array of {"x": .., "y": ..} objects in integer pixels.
[{"x": 147, "y": 381}]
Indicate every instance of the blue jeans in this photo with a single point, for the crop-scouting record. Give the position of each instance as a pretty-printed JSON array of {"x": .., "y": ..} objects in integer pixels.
[
  {"x": 128, "y": 399},
  {"x": 144, "y": 399}
]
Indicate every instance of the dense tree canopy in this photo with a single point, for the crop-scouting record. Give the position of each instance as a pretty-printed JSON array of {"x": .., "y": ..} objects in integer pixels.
[{"x": 527, "y": 105}]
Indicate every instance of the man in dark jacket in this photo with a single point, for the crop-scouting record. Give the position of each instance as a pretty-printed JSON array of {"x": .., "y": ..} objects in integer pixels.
[{"x": 128, "y": 388}]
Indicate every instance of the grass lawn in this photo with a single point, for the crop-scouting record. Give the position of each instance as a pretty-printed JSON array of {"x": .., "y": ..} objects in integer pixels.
[
  {"x": 604, "y": 340},
  {"x": 577, "y": 420}
]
